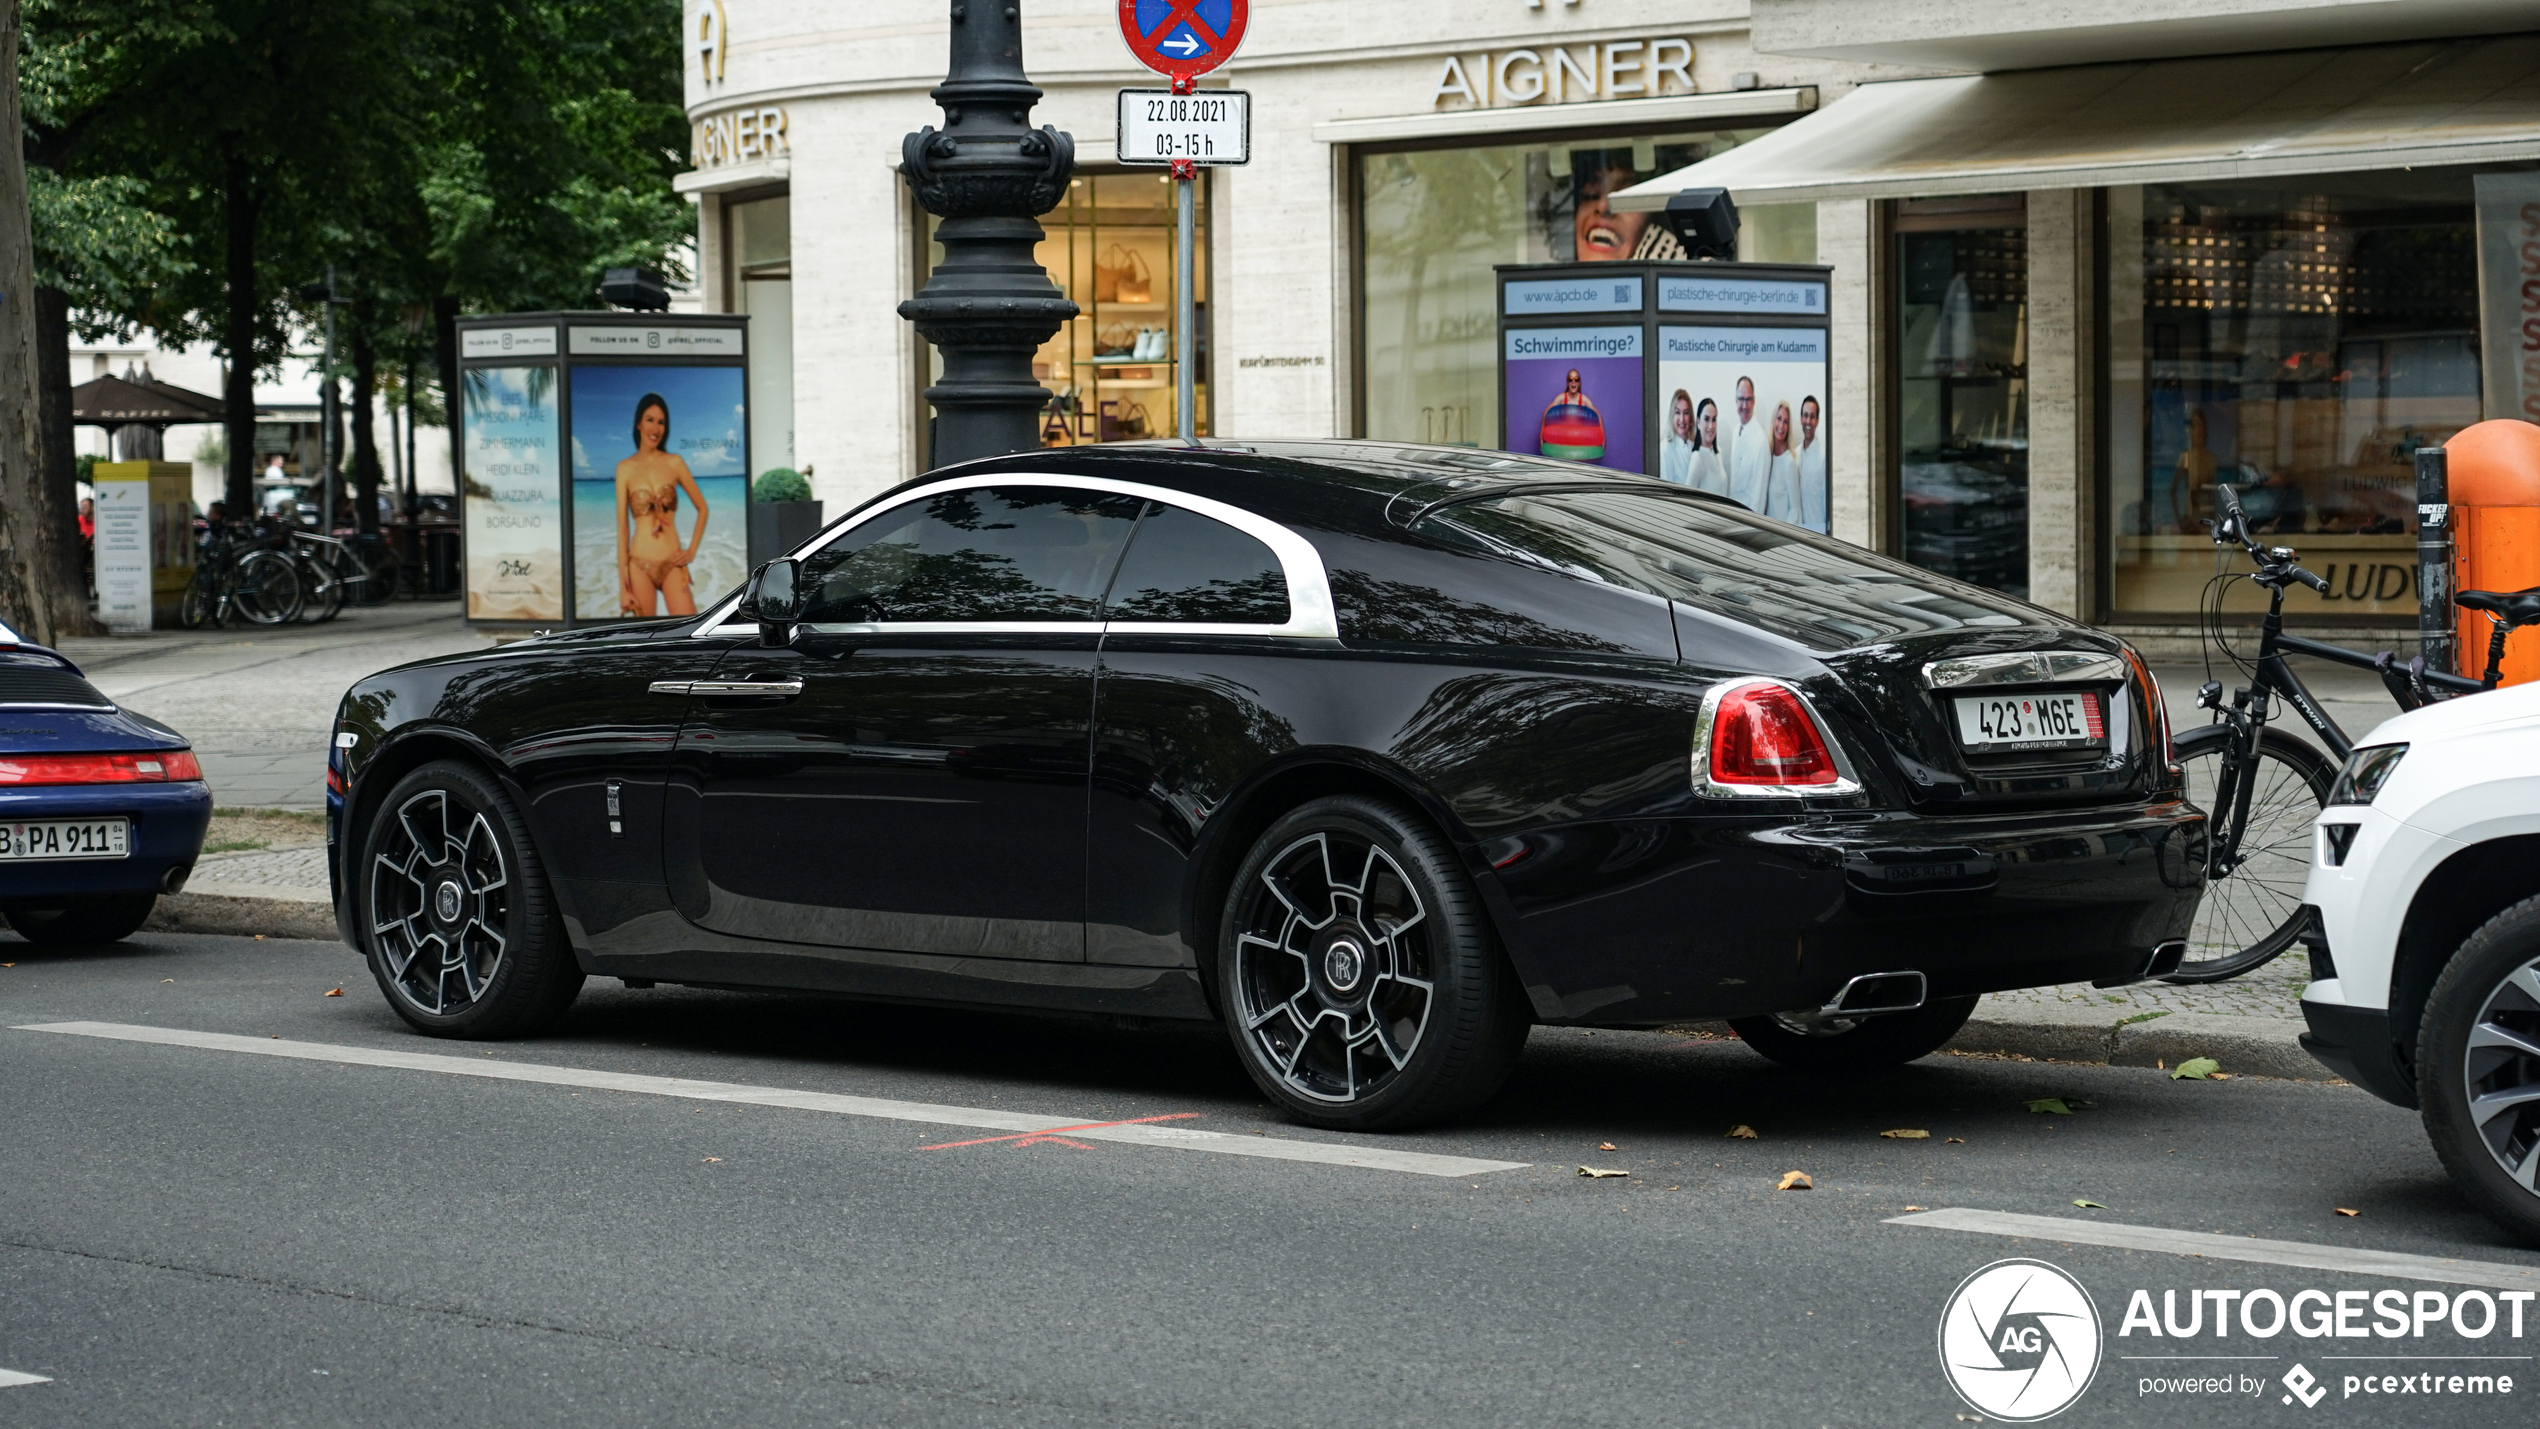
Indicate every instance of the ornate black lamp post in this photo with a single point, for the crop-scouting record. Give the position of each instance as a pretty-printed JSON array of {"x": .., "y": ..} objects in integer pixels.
[{"x": 988, "y": 174}]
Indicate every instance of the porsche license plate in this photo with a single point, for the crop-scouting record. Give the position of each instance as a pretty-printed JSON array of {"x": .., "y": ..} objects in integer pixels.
[
  {"x": 40, "y": 839},
  {"x": 1997, "y": 724}
]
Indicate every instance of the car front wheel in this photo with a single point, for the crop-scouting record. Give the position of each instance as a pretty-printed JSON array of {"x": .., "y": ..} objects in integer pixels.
[
  {"x": 461, "y": 933},
  {"x": 1360, "y": 978},
  {"x": 2478, "y": 1069}
]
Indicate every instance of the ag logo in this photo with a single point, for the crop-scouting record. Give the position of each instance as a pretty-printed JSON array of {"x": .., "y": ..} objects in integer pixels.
[{"x": 2019, "y": 1340}]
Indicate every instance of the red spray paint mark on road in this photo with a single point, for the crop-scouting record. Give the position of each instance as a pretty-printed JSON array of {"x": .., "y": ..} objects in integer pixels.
[{"x": 1035, "y": 1138}]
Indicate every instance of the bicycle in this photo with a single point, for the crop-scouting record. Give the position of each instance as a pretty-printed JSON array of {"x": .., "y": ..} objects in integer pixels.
[
  {"x": 2261, "y": 788},
  {"x": 235, "y": 572}
]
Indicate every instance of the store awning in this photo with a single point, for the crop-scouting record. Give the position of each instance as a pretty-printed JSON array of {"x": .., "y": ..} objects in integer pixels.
[
  {"x": 2217, "y": 117},
  {"x": 132, "y": 402}
]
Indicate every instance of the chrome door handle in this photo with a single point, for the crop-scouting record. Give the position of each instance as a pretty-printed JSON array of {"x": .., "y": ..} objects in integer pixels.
[{"x": 730, "y": 689}]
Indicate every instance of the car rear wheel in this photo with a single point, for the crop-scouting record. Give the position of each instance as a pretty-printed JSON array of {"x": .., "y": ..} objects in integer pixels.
[
  {"x": 462, "y": 935},
  {"x": 1360, "y": 978},
  {"x": 1806, "y": 1043},
  {"x": 2478, "y": 1069},
  {"x": 110, "y": 919}
]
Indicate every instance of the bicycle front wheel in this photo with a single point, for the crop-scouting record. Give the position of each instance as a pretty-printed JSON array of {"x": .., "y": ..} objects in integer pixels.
[
  {"x": 2253, "y": 906},
  {"x": 266, "y": 588}
]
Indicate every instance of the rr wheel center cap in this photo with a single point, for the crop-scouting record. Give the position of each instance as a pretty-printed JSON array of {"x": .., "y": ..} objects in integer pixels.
[
  {"x": 447, "y": 900},
  {"x": 1344, "y": 963}
]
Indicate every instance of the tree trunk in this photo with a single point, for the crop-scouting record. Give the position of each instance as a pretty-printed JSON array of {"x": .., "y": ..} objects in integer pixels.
[
  {"x": 365, "y": 437},
  {"x": 57, "y": 565},
  {"x": 238, "y": 386},
  {"x": 24, "y": 603},
  {"x": 445, "y": 357}
]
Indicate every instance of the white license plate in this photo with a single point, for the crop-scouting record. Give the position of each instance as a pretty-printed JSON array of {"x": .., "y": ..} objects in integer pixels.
[
  {"x": 1996, "y": 723},
  {"x": 42, "y": 839}
]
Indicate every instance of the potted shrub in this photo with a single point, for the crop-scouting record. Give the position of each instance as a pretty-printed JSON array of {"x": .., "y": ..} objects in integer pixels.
[{"x": 782, "y": 513}]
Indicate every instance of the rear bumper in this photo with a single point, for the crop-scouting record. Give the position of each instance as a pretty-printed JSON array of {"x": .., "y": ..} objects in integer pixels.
[
  {"x": 1661, "y": 920},
  {"x": 2355, "y": 1043},
  {"x": 167, "y": 832}
]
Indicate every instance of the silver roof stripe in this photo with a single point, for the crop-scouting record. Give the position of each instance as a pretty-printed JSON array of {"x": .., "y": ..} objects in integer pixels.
[{"x": 1311, "y": 614}]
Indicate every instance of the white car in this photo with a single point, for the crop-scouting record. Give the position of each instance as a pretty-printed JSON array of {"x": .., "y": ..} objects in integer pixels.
[{"x": 2425, "y": 878}]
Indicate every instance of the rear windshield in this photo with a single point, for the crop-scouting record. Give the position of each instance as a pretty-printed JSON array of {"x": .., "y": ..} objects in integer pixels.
[{"x": 1807, "y": 588}]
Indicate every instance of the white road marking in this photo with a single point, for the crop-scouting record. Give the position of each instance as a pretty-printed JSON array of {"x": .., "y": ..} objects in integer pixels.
[
  {"x": 10, "y": 1378},
  {"x": 2386, "y": 1263},
  {"x": 1176, "y": 1138}
]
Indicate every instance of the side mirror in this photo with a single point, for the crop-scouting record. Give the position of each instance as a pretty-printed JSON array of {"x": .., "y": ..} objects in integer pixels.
[{"x": 774, "y": 600}]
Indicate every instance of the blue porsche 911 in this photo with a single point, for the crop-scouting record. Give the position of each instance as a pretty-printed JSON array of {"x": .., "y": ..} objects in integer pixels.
[{"x": 101, "y": 809}]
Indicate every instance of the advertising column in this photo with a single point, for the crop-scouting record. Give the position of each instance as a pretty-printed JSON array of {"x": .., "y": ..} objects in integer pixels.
[
  {"x": 1742, "y": 405},
  {"x": 123, "y": 545},
  {"x": 511, "y": 475},
  {"x": 660, "y": 468},
  {"x": 1574, "y": 390}
]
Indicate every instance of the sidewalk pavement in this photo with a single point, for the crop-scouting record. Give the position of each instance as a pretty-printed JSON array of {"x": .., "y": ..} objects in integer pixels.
[{"x": 259, "y": 703}]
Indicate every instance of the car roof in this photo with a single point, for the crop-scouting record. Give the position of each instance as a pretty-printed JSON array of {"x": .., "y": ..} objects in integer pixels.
[{"x": 1341, "y": 483}]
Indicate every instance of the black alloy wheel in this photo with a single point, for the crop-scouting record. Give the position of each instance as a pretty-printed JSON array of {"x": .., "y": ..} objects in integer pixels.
[
  {"x": 2252, "y": 910},
  {"x": 1809, "y": 1043},
  {"x": 2478, "y": 1069},
  {"x": 108, "y": 919},
  {"x": 463, "y": 937},
  {"x": 1359, "y": 975}
]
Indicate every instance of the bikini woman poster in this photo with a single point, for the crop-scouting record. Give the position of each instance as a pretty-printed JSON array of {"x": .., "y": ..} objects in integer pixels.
[{"x": 660, "y": 489}]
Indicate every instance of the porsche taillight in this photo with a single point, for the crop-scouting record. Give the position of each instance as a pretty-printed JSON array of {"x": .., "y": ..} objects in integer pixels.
[
  {"x": 155, "y": 767},
  {"x": 1762, "y": 737}
]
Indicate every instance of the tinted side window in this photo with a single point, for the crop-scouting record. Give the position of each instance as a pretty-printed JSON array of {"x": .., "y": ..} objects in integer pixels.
[
  {"x": 990, "y": 553},
  {"x": 1186, "y": 567}
]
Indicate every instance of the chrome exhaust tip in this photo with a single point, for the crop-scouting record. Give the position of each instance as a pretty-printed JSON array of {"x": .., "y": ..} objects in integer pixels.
[
  {"x": 1872, "y": 993},
  {"x": 173, "y": 881},
  {"x": 2163, "y": 961}
]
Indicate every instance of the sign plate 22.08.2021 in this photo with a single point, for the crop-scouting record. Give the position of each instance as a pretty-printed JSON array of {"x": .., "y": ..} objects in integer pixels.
[{"x": 1211, "y": 126}]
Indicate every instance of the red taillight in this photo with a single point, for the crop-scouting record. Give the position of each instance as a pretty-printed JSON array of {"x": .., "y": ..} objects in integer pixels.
[
  {"x": 157, "y": 767},
  {"x": 1761, "y": 735},
  {"x": 2153, "y": 703}
]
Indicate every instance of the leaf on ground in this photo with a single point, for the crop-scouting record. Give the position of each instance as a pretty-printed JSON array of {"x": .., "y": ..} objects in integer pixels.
[
  {"x": 1605, "y": 1146},
  {"x": 1906, "y": 1134},
  {"x": 1913, "y": 1208},
  {"x": 2053, "y": 1105},
  {"x": 2090, "y": 1205},
  {"x": 2341, "y": 1210},
  {"x": 714, "y": 1158},
  {"x": 1599, "y": 1173},
  {"x": 1795, "y": 1181},
  {"x": 1743, "y": 1132},
  {"x": 335, "y": 992},
  {"x": 1955, "y": 1141},
  {"x": 2196, "y": 1069}
]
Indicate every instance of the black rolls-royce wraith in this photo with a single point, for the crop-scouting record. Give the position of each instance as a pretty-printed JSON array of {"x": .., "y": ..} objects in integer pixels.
[{"x": 1376, "y": 754}]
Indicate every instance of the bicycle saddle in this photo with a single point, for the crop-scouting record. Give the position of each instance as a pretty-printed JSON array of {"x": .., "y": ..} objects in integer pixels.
[{"x": 2521, "y": 607}]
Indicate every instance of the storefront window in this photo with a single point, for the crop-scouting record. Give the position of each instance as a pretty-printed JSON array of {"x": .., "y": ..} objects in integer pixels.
[
  {"x": 2299, "y": 341},
  {"x": 760, "y": 239},
  {"x": 1110, "y": 372},
  {"x": 1433, "y": 222},
  {"x": 1962, "y": 376}
]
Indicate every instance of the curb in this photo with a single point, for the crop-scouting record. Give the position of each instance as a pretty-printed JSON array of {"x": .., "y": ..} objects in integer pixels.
[
  {"x": 2263, "y": 1046},
  {"x": 246, "y": 909}
]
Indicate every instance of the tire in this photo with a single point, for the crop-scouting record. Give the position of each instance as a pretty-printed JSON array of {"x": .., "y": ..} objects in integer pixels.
[
  {"x": 1855, "y": 1044},
  {"x": 2480, "y": 1027},
  {"x": 198, "y": 608},
  {"x": 2253, "y": 912},
  {"x": 459, "y": 929},
  {"x": 265, "y": 589},
  {"x": 110, "y": 919},
  {"x": 321, "y": 589},
  {"x": 1361, "y": 981}
]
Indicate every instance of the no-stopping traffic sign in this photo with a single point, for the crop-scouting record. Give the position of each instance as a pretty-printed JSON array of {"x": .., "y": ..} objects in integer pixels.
[{"x": 1183, "y": 39}]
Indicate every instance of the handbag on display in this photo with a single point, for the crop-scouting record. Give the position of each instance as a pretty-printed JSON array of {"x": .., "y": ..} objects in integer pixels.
[
  {"x": 1121, "y": 276},
  {"x": 1116, "y": 340},
  {"x": 1116, "y": 271},
  {"x": 1123, "y": 421}
]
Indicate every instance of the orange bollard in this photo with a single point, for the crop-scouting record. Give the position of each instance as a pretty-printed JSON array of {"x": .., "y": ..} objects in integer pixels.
[{"x": 2495, "y": 477}]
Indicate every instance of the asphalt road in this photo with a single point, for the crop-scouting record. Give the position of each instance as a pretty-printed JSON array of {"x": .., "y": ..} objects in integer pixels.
[{"x": 195, "y": 1235}]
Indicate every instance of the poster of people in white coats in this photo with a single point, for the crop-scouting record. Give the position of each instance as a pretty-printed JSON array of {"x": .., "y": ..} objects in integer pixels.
[{"x": 1742, "y": 413}]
